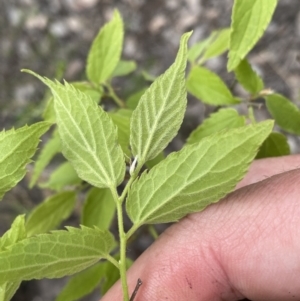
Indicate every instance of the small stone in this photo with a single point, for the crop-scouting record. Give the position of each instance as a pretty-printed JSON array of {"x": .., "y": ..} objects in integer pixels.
[
  {"x": 157, "y": 23},
  {"x": 38, "y": 22}
]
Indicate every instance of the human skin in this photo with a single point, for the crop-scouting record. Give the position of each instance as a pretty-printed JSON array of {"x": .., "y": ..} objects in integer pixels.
[{"x": 245, "y": 246}]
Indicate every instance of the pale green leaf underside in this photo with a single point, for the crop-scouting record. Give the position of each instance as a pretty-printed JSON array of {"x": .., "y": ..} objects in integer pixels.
[
  {"x": 16, "y": 149},
  {"x": 50, "y": 149},
  {"x": 196, "y": 176},
  {"x": 49, "y": 214},
  {"x": 16, "y": 233},
  {"x": 160, "y": 111},
  {"x": 8, "y": 289},
  {"x": 99, "y": 209},
  {"x": 55, "y": 255},
  {"x": 105, "y": 51},
  {"x": 285, "y": 113},
  {"x": 82, "y": 283},
  {"x": 275, "y": 145},
  {"x": 222, "y": 120},
  {"x": 248, "y": 78},
  {"x": 88, "y": 135},
  {"x": 249, "y": 20},
  {"x": 209, "y": 87}
]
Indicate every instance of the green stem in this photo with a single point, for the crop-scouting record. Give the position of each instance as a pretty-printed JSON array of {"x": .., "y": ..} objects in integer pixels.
[
  {"x": 122, "y": 262},
  {"x": 123, "y": 243},
  {"x": 113, "y": 261},
  {"x": 153, "y": 232},
  {"x": 114, "y": 96},
  {"x": 123, "y": 237}
]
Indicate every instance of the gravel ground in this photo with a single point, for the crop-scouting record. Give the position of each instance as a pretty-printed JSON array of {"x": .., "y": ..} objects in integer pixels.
[{"x": 51, "y": 34}]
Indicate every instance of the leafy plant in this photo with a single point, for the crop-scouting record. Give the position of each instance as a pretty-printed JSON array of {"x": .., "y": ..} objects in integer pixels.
[{"x": 118, "y": 158}]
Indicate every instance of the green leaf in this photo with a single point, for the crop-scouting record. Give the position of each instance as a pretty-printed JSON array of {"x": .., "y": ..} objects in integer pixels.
[
  {"x": 50, "y": 149},
  {"x": 285, "y": 113},
  {"x": 121, "y": 119},
  {"x": 124, "y": 68},
  {"x": 208, "y": 87},
  {"x": 224, "y": 119},
  {"x": 133, "y": 100},
  {"x": 248, "y": 78},
  {"x": 159, "y": 114},
  {"x": 50, "y": 213},
  {"x": 105, "y": 51},
  {"x": 250, "y": 18},
  {"x": 55, "y": 255},
  {"x": 82, "y": 283},
  {"x": 99, "y": 209},
  {"x": 16, "y": 149},
  {"x": 147, "y": 76},
  {"x": 16, "y": 233},
  {"x": 8, "y": 289},
  {"x": 88, "y": 89},
  {"x": 218, "y": 45},
  {"x": 275, "y": 145},
  {"x": 88, "y": 135},
  {"x": 64, "y": 175},
  {"x": 196, "y": 176},
  {"x": 156, "y": 160},
  {"x": 198, "y": 48},
  {"x": 49, "y": 113}
]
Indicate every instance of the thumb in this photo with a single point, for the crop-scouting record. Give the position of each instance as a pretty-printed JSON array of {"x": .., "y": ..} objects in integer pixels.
[{"x": 245, "y": 246}]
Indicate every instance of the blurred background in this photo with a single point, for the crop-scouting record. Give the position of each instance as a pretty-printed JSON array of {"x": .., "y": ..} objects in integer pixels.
[{"x": 52, "y": 37}]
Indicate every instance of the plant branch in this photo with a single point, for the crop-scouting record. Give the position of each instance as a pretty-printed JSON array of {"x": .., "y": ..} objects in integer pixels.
[
  {"x": 114, "y": 96},
  {"x": 113, "y": 261}
]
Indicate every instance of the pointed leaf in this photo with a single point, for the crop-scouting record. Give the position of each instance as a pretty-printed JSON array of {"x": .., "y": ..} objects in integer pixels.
[
  {"x": 8, "y": 289},
  {"x": 209, "y": 87},
  {"x": 218, "y": 46},
  {"x": 124, "y": 68},
  {"x": 99, "y": 209},
  {"x": 105, "y": 51},
  {"x": 16, "y": 233},
  {"x": 222, "y": 120},
  {"x": 49, "y": 214},
  {"x": 198, "y": 48},
  {"x": 64, "y": 175},
  {"x": 50, "y": 149},
  {"x": 248, "y": 78},
  {"x": 275, "y": 145},
  {"x": 198, "y": 175},
  {"x": 159, "y": 114},
  {"x": 285, "y": 113},
  {"x": 82, "y": 283},
  {"x": 250, "y": 18},
  {"x": 54, "y": 255},
  {"x": 88, "y": 135},
  {"x": 16, "y": 149}
]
